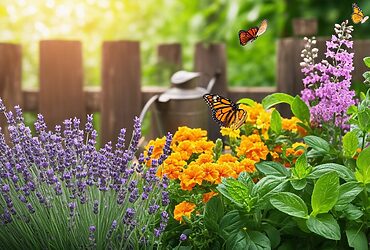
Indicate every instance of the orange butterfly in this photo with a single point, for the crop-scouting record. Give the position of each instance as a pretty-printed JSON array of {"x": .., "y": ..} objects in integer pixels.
[
  {"x": 225, "y": 112},
  {"x": 358, "y": 15},
  {"x": 252, "y": 34}
]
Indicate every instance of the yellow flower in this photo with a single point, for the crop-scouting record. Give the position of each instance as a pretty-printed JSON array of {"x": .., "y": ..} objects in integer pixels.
[
  {"x": 232, "y": 133},
  {"x": 183, "y": 209},
  {"x": 208, "y": 196}
]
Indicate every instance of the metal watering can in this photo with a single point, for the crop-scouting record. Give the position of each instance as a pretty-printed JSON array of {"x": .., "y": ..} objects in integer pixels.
[{"x": 180, "y": 105}]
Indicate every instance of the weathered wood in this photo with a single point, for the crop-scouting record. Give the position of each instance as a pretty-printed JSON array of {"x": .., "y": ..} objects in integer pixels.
[
  {"x": 361, "y": 49},
  {"x": 210, "y": 60},
  {"x": 61, "y": 81},
  {"x": 254, "y": 93},
  {"x": 120, "y": 97},
  {"x": 170, "y": 57},
  {"x": 304, "y": 27},
  {"x": 10, "y": 77}
]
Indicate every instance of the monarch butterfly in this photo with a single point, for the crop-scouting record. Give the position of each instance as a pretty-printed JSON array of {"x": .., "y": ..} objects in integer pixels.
[
  {"x": 225, "y": 112},
  {"x": 252, "y": 34},
  {"x": 358, "y": 15}
]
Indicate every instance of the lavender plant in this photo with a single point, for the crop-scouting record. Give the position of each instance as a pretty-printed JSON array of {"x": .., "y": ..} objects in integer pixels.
[
  {"x": 327, "y": 83},
  {"x": 58, "y": 191}
]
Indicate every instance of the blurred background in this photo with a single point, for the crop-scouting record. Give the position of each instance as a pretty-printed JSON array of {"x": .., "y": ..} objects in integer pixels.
[{"x": 166, "y": 21}]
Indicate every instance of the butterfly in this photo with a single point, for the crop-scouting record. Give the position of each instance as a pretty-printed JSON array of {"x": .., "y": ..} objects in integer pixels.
[
  {"x": 252, "y": 34},
  {"x": 358, "y": 15},
  {"x": 225, "y": 112}
]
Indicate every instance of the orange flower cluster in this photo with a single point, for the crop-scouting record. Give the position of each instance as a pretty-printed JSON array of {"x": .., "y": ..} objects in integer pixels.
[
  {"x": 252, "y": 147},
  {"x": 183, "y": 209},
  {"x": 292, "y": 125},
  {"x": 291, "y": 153}
]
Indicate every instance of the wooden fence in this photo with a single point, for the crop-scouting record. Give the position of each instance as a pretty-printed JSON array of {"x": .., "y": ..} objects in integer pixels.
[{"x": 120, "y": 97}]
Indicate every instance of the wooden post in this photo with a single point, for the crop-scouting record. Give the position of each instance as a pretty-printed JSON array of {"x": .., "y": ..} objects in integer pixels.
[
  {"x": 210, "y": 60},
  {"x": 170, "y": 56},
  {"x": 121, "y": 88},
  {"x": 304, "y": 27},
  {"x": 10, "y": 77},
  {"x": 61, "y": 82},
  {"x": 361, "y": 48}
]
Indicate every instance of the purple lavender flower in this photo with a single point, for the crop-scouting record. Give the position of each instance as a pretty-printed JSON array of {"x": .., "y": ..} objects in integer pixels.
[
  {"x": 96, "y": 207},
  {"x": 327, "y": 84},
  {"x": 92, "y": 229},
  {"x": 153, "y": 209},
  {"x": 30, "y": 208},
  {"x": 183, "y": 237}
]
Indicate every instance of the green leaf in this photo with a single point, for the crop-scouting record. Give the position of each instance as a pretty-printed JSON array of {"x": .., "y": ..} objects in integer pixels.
[
  {"x": 298, "y": 184},
  {"x": 357, "y": 238},
  {"x": 276, "y": 122},
  {"x": 300, "y": 110},
  {"x": 353, "y": 212},
  {"x": 214, "y": 211},
  {"x": 366, "y": 75},
  {"x": 273, "y": 234},
  {"x": 350, "y": 144},
  {"x": 247, "y": 101},
  {"x": 235, "y": 191},
  {"x": 347, "y": 193},
  {"x": 324, "y": 225},
  {"x": 231, "y": 223},
  {"x": 301, "y": 168},
  {"x": 367, "y": 61},
  {"x": 290, "y": 203},
  {"x": 266, "y": 187},
  {"x": 238, "y": 240},
  {"x": 342, "y": 171},
  {"x": 276, "y": 98},
  {"x": 364, "y": 119},
  {"x": 272, "y": 168},
  {"x": 363, "y": 166},
  {"x": 317, "y": 143},
  {"x": 258, "y": 240},
  {"x": 325, "y": 193}
]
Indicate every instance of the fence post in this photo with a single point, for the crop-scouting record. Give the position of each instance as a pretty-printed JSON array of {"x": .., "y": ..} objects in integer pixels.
[
  {"x": 10, "y": 77},
  {"x": 121, "y": 88},
  {"x": 170, "y": 57},
  {"x": 361, "y": 48},
  {"x": 209, "y": 60},
  {"x": 61, "y": 81}
]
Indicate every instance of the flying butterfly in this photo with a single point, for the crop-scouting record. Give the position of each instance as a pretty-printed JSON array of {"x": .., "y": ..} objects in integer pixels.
[
  {"x": 246, "y": 36},
  {"x": 225, "y": 112},
  {"x": 357, "y": 14}
]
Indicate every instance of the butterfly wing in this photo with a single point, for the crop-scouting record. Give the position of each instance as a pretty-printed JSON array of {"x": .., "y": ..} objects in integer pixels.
[
  {"x": 224, "y": 111},
  {"x": 357, "y": 15},
  {"x": 246, "y": 36},
  {"x": 364, "y": 19},
  {"x": 262, "y": 27}
]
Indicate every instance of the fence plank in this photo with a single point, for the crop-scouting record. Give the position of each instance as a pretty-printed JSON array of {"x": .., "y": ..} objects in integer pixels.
[
  {"x": 121, "y": 93},
  {"x": 170, "y": 56},
  {"x": 10, "y": 77},
  {"x": 210, "y": 60},
  {"x": 61, "y": 81}
]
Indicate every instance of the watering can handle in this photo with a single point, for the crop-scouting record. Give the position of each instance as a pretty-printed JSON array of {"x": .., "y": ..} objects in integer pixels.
[
  {"x": 146, "y": 107},
  {"x": 213, "y": 81}
]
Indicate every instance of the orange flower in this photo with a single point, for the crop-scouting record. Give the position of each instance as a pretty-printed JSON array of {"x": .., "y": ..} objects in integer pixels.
[
  {"x": 210, "y": 172},
  {"x": 204, "y": 158},
  {"x": 203, "y": 146},
  {"x": 172, "y": 166},
  {"x": 291, "y": 125},
  {"x": 208, "y": 196},
  {"x": 191, "y": 176},
  {"x": 227, "y": 158},
  {"x": 192, "y": 134},
  {"x": 185, "y": 148},
  {"x": 248, "y": 165},
  {"x": 183, "y": 209},
  {"x": 224, "y": 170},
  {"x": 252, "y": 112},
  {"x": 158, "y": 145},
  {"x": 297, "y": 149},
  {"x": 253, "y": 148}
]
